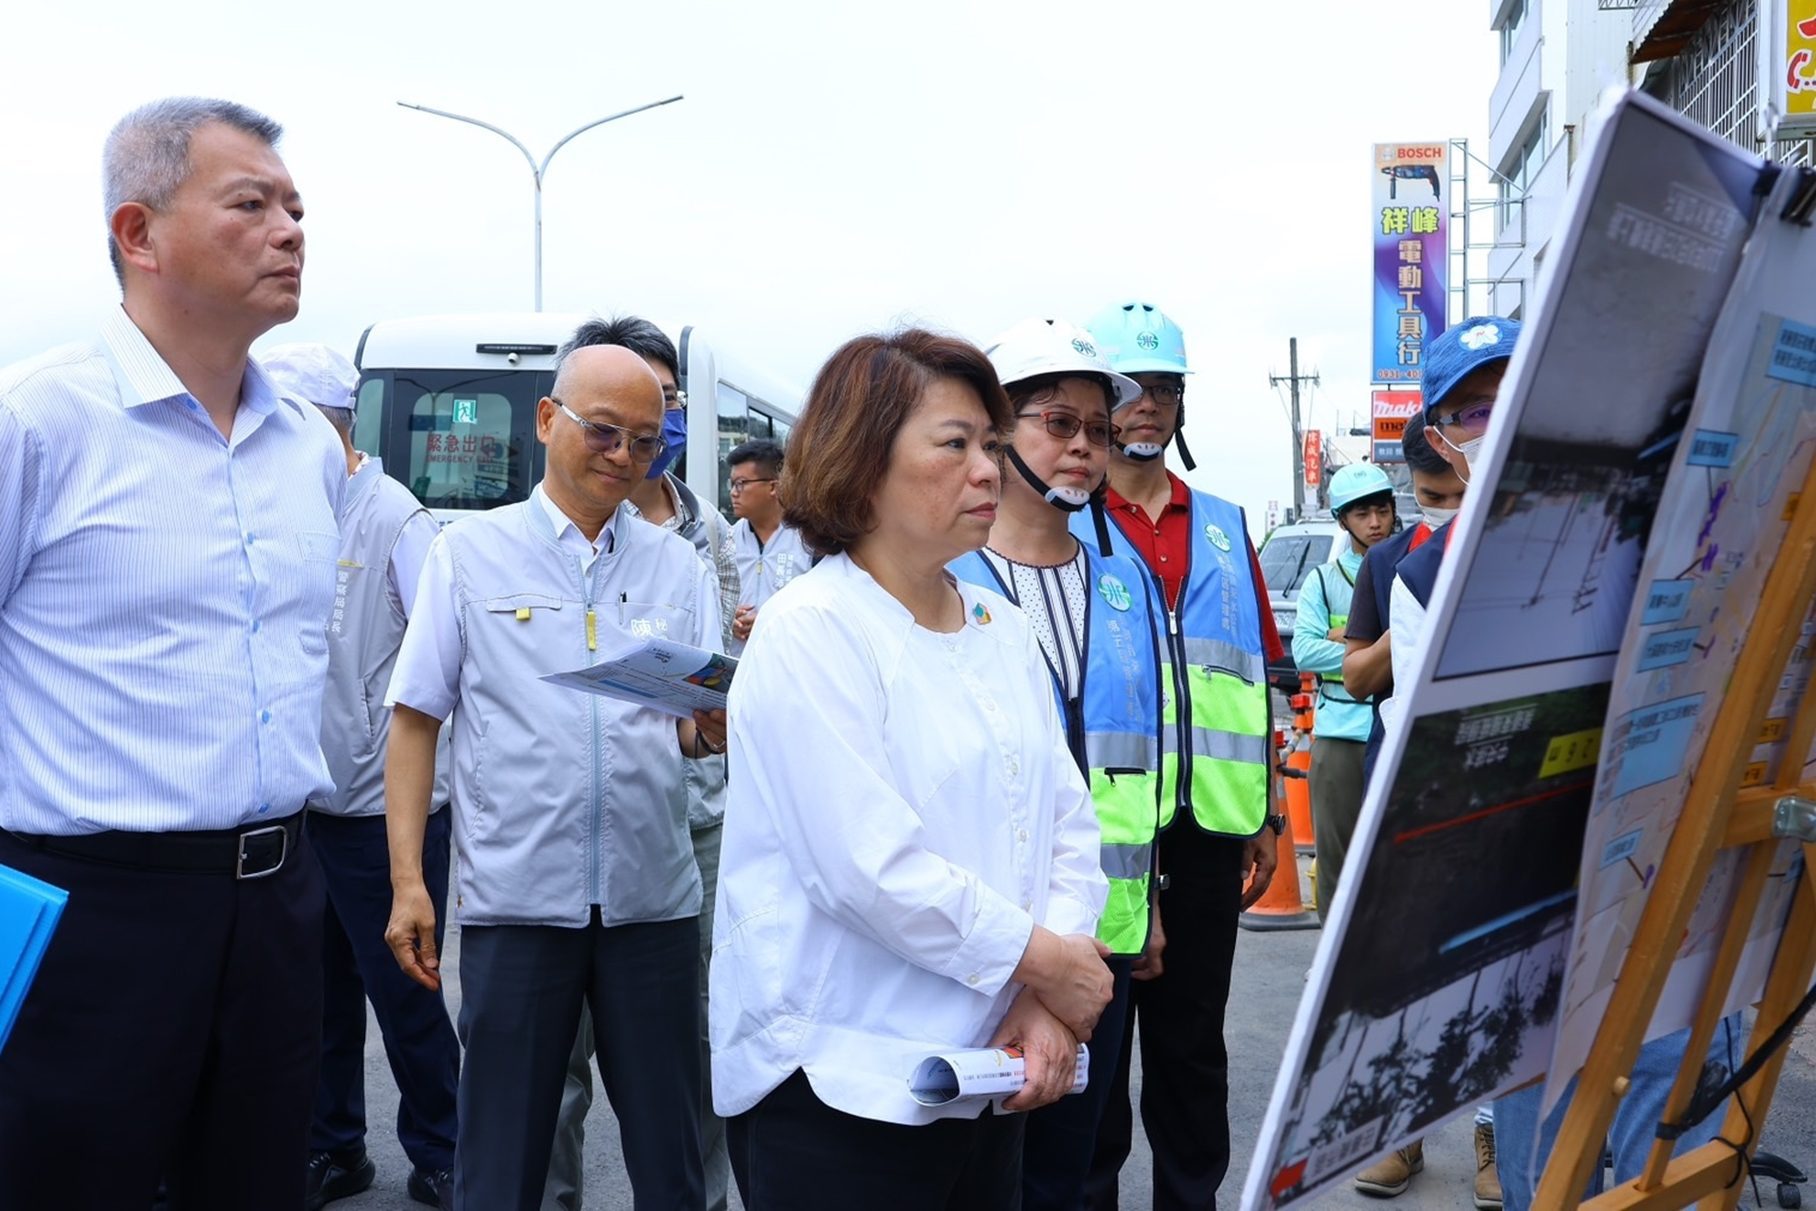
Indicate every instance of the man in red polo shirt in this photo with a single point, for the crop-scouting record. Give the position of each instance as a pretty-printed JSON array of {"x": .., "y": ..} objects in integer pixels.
[{"x": 1217, "y": 822}]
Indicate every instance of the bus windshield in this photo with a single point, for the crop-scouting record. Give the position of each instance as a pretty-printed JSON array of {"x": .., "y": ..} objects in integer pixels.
[{"x": 458, "y": 439}]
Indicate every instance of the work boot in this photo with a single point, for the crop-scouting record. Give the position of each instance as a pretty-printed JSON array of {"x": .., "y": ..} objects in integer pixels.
[
  {"x": 1488, "y": 1174},
  {"x": 1392, "y": 1174}
]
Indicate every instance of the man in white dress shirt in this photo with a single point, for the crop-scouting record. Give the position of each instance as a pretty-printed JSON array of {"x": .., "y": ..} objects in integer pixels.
[
  {"x": 770, "y": 552},
  {"x": 167, "y": 558},
  {"x": 577, "y": 884}
]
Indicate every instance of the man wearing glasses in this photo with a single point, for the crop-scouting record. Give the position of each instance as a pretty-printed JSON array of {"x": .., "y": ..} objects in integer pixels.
[
  {"x": 663, "y": 499},
  {"x": 1463, "y": 371},
  {"x": 577, "y": 880},
  {"x": 1462, "y": 376},
  {"x": 769, "y": 553},
  {"x": 1217, "y": 825}
]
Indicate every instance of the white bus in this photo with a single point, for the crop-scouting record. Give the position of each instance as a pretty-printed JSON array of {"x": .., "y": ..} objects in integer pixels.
[{"x": 449, "y": 403}]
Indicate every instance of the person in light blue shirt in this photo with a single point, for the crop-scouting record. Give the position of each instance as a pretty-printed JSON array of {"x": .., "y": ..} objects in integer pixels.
[
  {"x": 167, "y": 567},
  {"x": 1362, "y": 500},
  {"x": 577, "y": 884}
]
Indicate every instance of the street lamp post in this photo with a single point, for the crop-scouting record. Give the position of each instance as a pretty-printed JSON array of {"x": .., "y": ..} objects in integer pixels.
[{"x": 538, "y": 170}]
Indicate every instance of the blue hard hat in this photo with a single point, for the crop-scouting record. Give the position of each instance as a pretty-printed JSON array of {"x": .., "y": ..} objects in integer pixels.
[
  {"x": 1355, "y": 482},
  {"x": 1138, "y": 338},
  {"x": 1460, "y": 351}
]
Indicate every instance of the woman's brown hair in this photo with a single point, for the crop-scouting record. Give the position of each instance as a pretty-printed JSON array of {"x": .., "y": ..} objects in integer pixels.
[{"x": 838, "y": 451}]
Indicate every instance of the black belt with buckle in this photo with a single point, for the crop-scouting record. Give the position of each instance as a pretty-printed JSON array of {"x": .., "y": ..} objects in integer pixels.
[{"x": 244, "y": 853}]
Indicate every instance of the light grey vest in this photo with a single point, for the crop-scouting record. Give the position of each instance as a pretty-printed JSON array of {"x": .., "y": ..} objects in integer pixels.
[
  {"x": 565, "y": 799},
  {"x": 364, "y": 631},
  {"x": 704, "y": 777}
]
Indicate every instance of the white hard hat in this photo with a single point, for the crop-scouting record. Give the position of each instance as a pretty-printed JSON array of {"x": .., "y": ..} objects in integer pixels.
[
  {"x": 1055, "y": 347},
  {"x": 314, "y": 374}
]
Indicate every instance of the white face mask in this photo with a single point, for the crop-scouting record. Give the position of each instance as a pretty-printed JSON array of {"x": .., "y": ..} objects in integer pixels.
[
  {"x": 1468, "y": 450},
  {"x": 1435, "y": 517}
]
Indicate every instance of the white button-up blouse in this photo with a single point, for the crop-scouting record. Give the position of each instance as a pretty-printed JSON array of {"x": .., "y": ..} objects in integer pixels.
[{"x": 903, "y": 809}]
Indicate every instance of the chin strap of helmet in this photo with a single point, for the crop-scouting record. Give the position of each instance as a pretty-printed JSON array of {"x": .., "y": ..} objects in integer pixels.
[
  {"x": 1100, "y": 519},
  {"x": 1069, "y": 500},
  {"x": 1185, "y": 455}
]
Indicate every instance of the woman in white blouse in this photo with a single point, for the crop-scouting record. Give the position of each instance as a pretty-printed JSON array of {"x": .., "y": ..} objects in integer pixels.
[{"x": 910, "y": 857}]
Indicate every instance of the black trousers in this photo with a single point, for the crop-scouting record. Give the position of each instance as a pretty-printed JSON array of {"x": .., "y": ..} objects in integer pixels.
[
  {"x": 522, "y": 991},
  {"x": 1184, "y": 1065},
  {"x": 1061, "y": 1138},
  {"x": 357, "y": 964},
  {"x": 793, "y": 1152},
  {"x": 172, "y": 1032}
]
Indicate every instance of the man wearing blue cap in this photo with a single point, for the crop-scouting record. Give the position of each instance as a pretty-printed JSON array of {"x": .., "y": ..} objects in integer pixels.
[{"x": 1463, "y": 372}]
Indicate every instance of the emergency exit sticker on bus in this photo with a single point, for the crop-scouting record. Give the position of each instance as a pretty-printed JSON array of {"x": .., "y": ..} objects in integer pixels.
[{"x": 466, "y": 411}]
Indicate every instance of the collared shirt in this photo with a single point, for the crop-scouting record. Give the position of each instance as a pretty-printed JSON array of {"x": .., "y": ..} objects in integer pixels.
[
  {"x": 430, "y": 662},
  {"x": 1166, "y": 547},
  {"x": 563, "y": 800},
  {"x": 407, "y": 554},
  {"x": 568, "y": 535},
  {"x": 903, "y": 810},
  {"x": 713, "y": 535},
  {"x": 764, "y": 567},
  {"x": 164, "y": 593}
]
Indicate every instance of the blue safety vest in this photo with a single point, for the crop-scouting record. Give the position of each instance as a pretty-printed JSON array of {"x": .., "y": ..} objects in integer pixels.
[
  {"x": 1217, "y": 750},
  {"x": 1113, "y": 729}
]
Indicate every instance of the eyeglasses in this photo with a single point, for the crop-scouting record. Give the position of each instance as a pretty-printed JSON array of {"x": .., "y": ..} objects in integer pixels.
[
  {"x": 1064, "y": 426},
  {"x": 738, "y": 485},
  {"x": 605, "y": 439},
  {"x": 1167, "y": 395},
  {"x": 1472, "y": 420},
  {"x": 673, "y": 398}
]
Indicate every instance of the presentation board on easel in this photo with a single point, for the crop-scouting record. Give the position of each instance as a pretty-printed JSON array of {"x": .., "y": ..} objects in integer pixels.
[
  {"x": 1697, "y": 896},
  {"x": 1501, "y": 735}
]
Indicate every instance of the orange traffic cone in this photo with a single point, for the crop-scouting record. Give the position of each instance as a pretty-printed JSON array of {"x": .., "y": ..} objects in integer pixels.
[
  {"x": 1282, "y": 905},
  {"x": 1298, "y": 767}
]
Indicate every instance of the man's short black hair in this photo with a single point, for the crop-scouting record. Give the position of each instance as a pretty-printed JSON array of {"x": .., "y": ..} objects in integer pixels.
[
  {"x": 762, "y": 451},
  {"x": 626, "y": 331},
  {"x": 1417, "y": 450}
]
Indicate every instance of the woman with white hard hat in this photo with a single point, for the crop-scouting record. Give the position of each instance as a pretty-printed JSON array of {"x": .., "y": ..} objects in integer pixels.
[
  {"x": 910, "y": 861},
  {"x": 1095, "y": 615}
]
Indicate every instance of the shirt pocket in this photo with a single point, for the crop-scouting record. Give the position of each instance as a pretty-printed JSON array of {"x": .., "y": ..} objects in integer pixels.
[
  {"x": 520, "y": 605},
  {"x": 318, "y": 547},
  {"x": 656, "y": 620}
]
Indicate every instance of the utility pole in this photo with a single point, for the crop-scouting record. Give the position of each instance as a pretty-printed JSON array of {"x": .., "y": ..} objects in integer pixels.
[{"x": 1293, "y": 378}]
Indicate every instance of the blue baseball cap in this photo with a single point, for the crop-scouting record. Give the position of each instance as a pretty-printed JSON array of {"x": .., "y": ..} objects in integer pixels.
[{"x": 1476, "y": 342}]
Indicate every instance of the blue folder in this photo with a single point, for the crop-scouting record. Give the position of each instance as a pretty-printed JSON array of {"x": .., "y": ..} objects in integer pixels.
[{"x": 28, "y": 914}]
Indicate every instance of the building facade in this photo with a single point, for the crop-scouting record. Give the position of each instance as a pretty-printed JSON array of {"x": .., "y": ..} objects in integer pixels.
[{"x": 1701, "y": 57}]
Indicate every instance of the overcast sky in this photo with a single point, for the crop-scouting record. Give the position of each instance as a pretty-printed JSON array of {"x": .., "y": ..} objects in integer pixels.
[{"x": 834, "y": 168}]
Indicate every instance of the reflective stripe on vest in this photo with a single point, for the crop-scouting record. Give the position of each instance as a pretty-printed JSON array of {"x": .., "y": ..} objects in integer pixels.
[
  {"x": 1121, "y": 742},
  {"x": 1224, "y": 678}
]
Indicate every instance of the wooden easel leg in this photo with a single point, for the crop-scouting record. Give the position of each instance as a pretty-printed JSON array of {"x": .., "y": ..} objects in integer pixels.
[
  {"x": 1684, "y": 870},
  {"x": 1787, "y": 985},
  {"x": 1708, "y": 1013}
]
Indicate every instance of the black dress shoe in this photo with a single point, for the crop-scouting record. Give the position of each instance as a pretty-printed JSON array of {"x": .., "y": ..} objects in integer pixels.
[
  {"x": 434, "y": 1187},
  {"x": 333, "y": 1175}
]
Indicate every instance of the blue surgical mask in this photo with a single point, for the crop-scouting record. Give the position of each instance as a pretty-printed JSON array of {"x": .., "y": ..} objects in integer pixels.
[{"x": 674, "y": 432}]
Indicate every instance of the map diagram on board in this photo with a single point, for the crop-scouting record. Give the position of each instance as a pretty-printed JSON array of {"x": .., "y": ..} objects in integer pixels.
[{"x": 1749, "y": 447}]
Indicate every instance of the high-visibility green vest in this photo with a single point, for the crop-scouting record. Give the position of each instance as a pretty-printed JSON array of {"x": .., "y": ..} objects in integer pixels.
[
  {"x": 1113, "y": 730},
  {"x": 1216, "y": 755}
]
